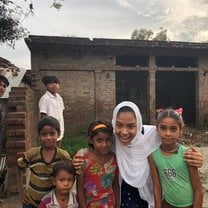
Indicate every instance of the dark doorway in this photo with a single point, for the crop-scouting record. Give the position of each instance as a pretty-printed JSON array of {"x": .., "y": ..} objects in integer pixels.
[
  {"x": 132, "y": 86},
  {"x": 177, "y": 89}
]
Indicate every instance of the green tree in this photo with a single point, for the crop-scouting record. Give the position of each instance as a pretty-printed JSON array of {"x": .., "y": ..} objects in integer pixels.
[
  {"x": 142, "y": 34},
  {"x": 11, "y": 18},
  {"x": 162, "y": 35},
  {"x": 10, "y": 22}
]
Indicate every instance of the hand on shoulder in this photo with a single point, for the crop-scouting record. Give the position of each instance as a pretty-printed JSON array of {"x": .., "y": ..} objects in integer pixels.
[{"x": 193, "y": 157}]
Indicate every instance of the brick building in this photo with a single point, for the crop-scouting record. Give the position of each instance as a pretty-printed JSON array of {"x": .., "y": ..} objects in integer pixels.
[{"x": 96, "y": 74}]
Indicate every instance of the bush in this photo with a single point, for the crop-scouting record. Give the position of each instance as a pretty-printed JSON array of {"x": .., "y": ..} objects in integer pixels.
[{"x": 73, "y": 144}]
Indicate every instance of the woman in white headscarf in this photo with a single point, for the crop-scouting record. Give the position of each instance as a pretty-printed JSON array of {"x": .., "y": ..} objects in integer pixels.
[{"x": 133, "y": 143}]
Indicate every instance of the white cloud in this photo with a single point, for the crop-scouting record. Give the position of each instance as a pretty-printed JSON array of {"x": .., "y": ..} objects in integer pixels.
[
  {"x": 184, "y": 20},
  {"x": 124, "y": 3}
]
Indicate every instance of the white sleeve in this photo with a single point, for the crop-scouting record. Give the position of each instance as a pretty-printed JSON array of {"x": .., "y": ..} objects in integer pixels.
[{"x": 43, "y": 106}]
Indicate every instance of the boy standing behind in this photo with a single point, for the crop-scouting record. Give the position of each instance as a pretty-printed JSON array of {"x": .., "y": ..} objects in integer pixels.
[{"x": 51, "y": 103}]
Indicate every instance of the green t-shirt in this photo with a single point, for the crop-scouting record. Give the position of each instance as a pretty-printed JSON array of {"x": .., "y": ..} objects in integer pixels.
[{"x": 174, "y": 177}]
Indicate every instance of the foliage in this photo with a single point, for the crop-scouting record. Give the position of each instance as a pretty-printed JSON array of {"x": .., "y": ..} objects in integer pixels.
[
  {"x": 11, "y": 19},
  {"x": 162, "y": 35},
  {"x": 56, "y": 5},
  {"x": 10, "y": 22},
  {"x": 144, "y": 34},
  {"x": 73, "y": 144}
]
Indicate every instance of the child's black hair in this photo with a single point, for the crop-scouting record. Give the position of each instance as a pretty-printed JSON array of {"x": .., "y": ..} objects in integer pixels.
[
  {"x": 96, "y": 127},
  {"x": 49, "y": 121},
  {"x": 63, "y": 165},
  {"x": 48, "y": 79},
  {"x": 4, "y": 80},
  {"x": 170, "y": 113}
]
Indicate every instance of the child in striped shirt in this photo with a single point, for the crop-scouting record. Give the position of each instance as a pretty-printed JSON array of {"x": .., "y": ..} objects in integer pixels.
[{"x": 40, "y": 162}]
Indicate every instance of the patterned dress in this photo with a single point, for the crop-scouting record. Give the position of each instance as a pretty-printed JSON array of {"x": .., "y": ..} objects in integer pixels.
[{"x": 98, "y": 181}]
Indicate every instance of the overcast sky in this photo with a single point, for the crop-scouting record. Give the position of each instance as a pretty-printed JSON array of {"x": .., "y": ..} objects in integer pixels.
[{"x": 185, "y": 20}]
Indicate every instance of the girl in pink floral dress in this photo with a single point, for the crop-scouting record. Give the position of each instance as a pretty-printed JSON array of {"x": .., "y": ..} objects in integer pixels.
[{"x": 97, "y": 182}]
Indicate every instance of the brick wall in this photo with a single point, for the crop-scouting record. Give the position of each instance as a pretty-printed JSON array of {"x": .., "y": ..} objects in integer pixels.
[
  {"x": 87, "y": 70},
  {"x": 21, "y": 133},
  {"x": 87, "y": 84},
  {"x": 81, "y": 98},
  {"x": 83, "y": 103},
  {"x": 203, "y": 102}
]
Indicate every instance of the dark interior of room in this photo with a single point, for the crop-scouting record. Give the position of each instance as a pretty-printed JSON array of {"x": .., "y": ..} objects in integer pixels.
[
  {"x": 176, "y": 61},
  {"x": 173, "y": 88},
  {"x": 132, "y": 86},
  {"x": 132, "y": 61},
  {"x": 177, "y": 89}
]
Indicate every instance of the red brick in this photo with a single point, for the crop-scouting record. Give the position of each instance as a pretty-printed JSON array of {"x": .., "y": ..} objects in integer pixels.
[
  {"x": 16, "y": 103},
  {"x": 20, "y": 154},
  {"x": 19, "y": 89},
  {"x": 15, "y": 121},
  {"x": 16, "y": 93},
  {"x": 18, "y": 115},
  {"x": 21, "y": 115},
  {"x": 10, "y": 144},
  {"x": 17, "y": 98},
  {"x": 10, "y": 133},
  {"x": 20, "y": 108},
  {"x": 20, "y": 132},
  {"x": 11, "y": 161},
  {"x": 20, "y": 144}
]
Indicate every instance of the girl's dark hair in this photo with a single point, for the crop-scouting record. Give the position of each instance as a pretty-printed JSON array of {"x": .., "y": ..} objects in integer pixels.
[
  {"x": 95, "y": 128},
  {"x": 63, "y": 165},
  {"x": 49, "y": 121},
  {"x": 170, "y": 113},
  {"x": 126, "y": 109}
]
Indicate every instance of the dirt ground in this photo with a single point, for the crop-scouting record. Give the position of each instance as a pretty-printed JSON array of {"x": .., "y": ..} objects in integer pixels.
[
  {"x": 196, "y": 138},
  {"x": 204, "y": 175}
]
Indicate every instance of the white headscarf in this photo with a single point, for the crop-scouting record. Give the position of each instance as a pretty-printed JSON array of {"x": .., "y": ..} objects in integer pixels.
[{"x": 132, "y": 159}]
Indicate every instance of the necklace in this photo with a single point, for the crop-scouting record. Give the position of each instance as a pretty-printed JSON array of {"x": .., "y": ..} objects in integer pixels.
[
  {"x": 173, "y": 150},
  {"x": 63, "y": 199},
  {"x": 62, "y": 202}
]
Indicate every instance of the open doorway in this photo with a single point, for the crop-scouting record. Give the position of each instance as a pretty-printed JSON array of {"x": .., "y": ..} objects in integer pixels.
[
  {"x": 177, "y": 89},
  {"x": 132, "y": 86}
]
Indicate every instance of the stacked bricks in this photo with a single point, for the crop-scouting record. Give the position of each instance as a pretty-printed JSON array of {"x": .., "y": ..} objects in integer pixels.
[{"x": 21, "y": 134}]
